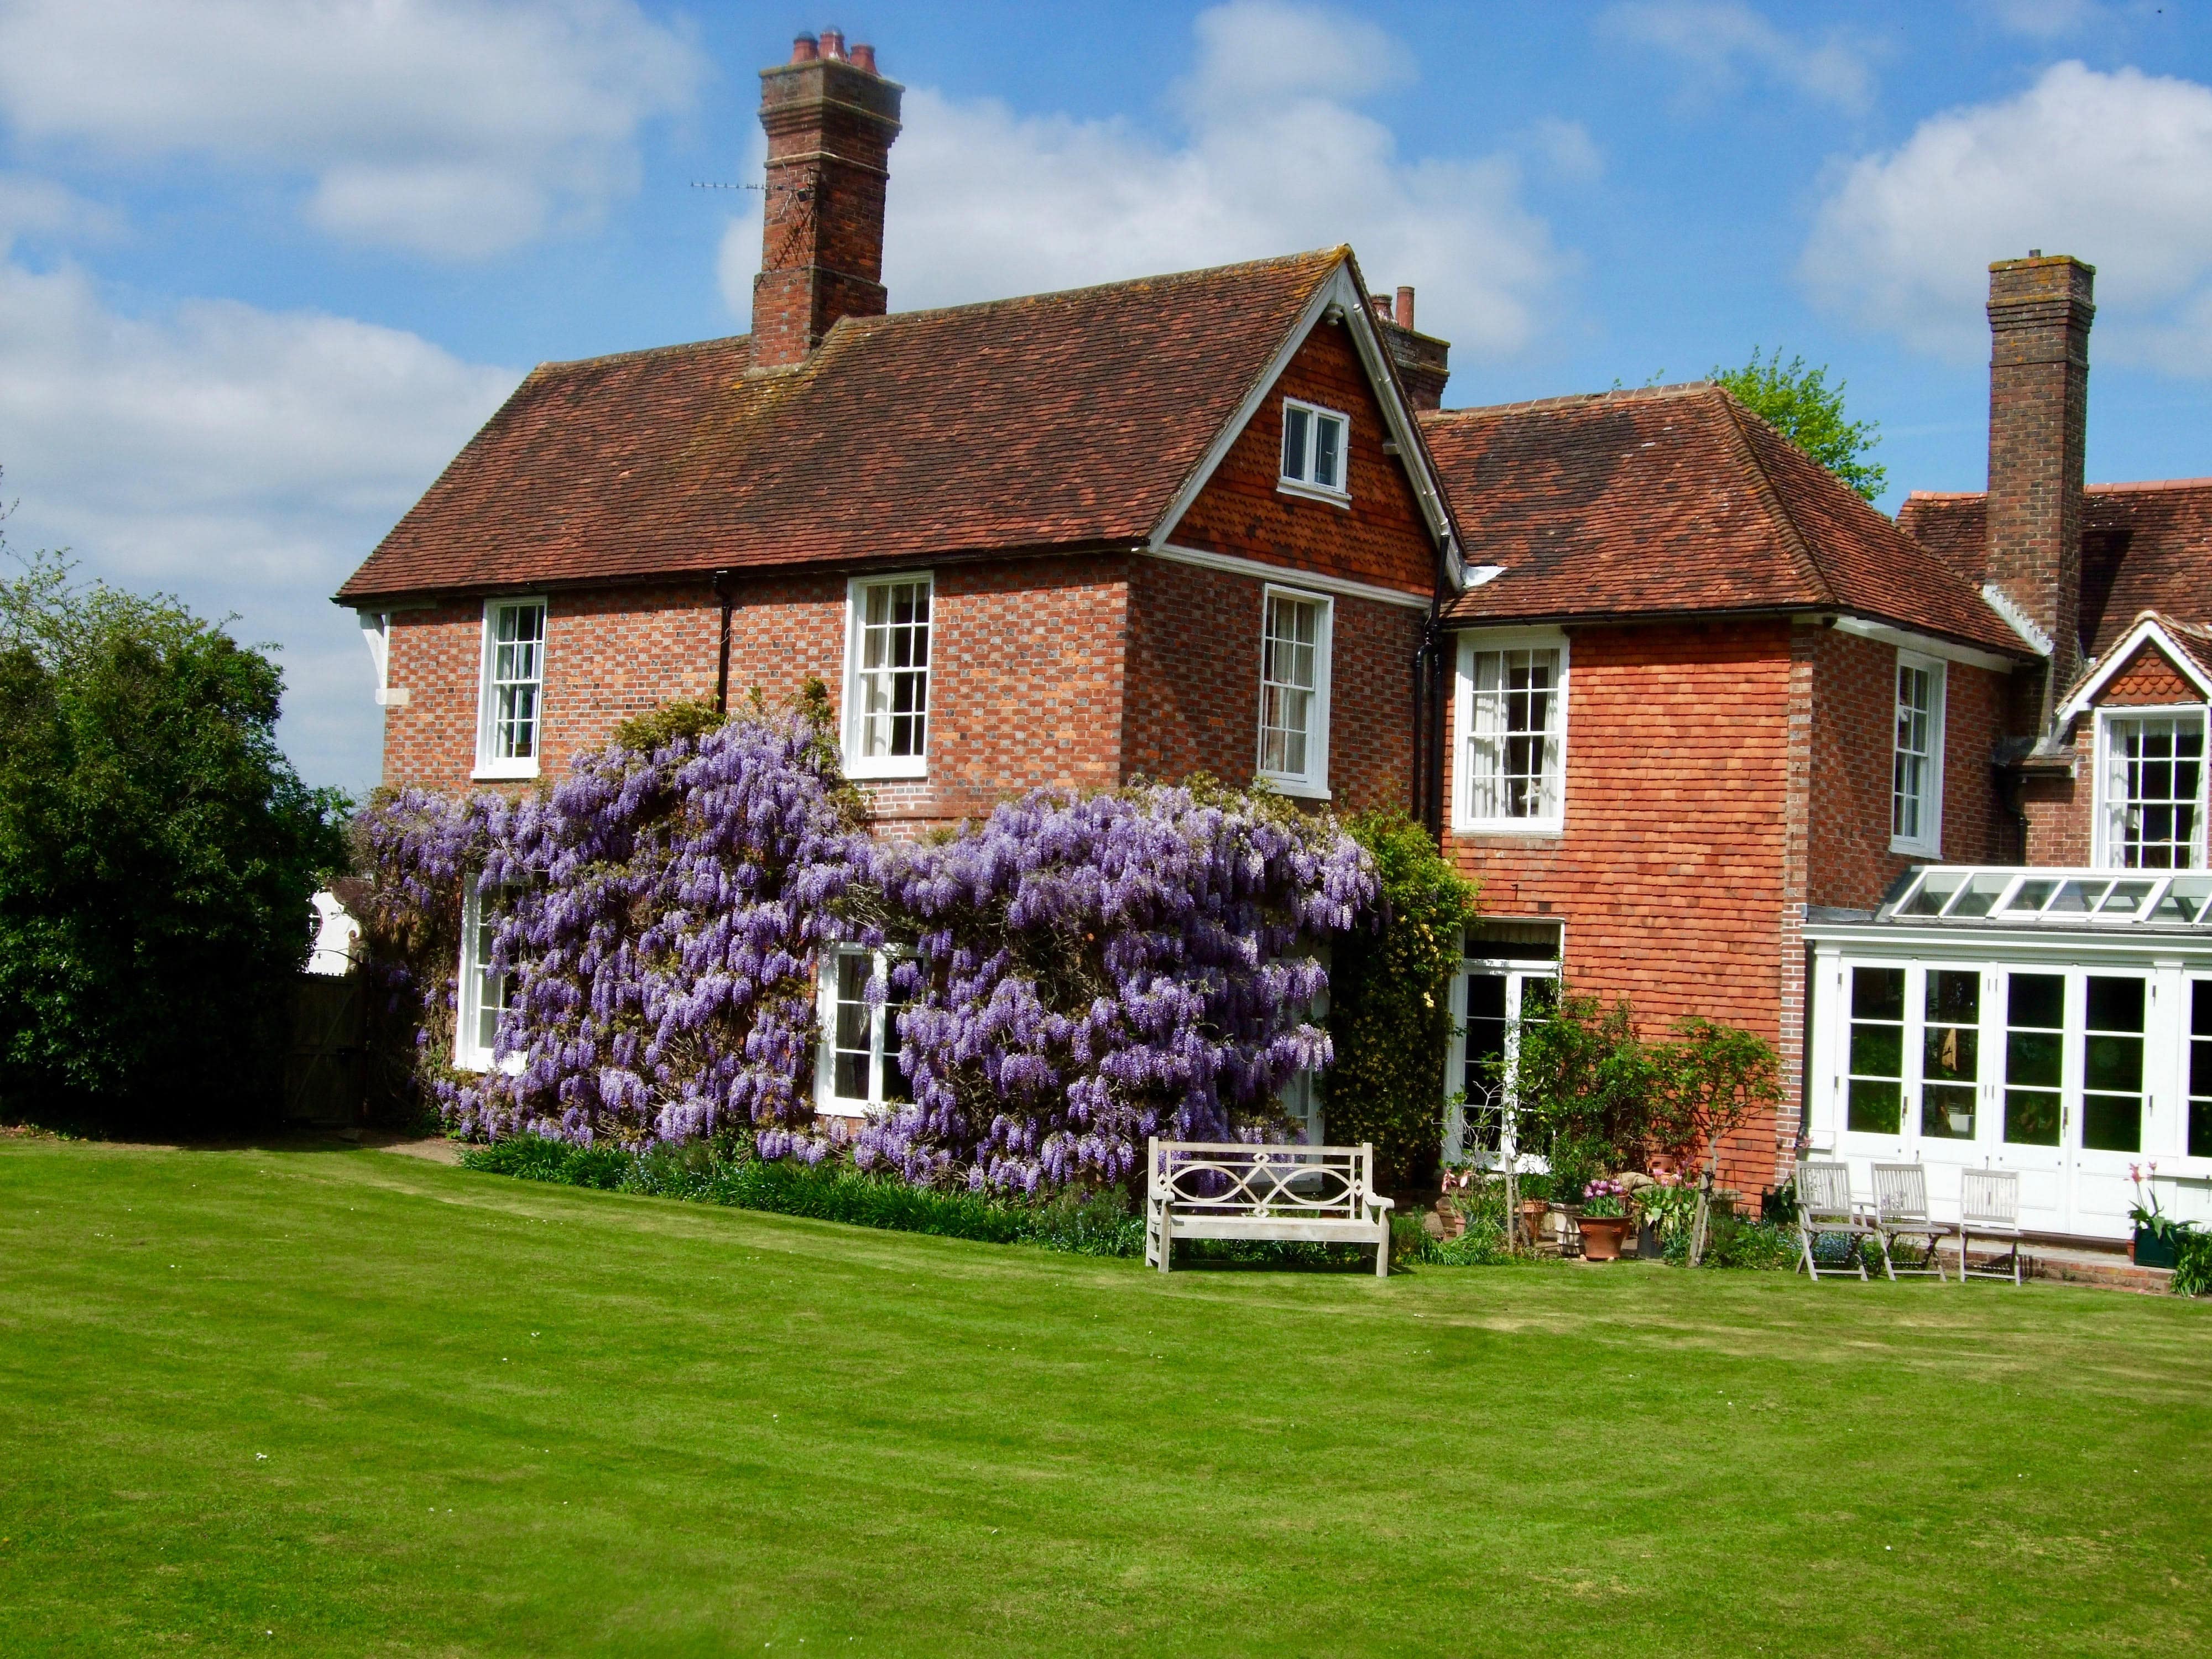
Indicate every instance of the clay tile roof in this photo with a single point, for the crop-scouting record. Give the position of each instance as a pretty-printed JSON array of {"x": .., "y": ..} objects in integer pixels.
[
  {"x": 2145, "y": 547},
  {"x": 1058, "y": 420},
  {"x": 1677, "y": 501}
]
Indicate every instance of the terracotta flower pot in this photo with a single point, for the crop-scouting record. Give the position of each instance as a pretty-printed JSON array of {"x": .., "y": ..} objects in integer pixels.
[{"x": 1602, "y": 1234}]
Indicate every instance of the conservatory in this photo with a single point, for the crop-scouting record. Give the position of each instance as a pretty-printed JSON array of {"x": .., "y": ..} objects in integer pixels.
[{"x": 2053, "y": 1022}]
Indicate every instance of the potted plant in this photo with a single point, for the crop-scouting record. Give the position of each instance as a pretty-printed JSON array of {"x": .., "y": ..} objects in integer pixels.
[
  {"x": 2157, "y": 1241},
  {"x": 1667, "y": 1208},
  {"x": 1604, "y": 1221}
]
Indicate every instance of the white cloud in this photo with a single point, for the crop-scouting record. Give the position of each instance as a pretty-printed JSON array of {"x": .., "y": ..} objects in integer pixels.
[
  {"x": 245, "y": 459},
  {"x": 1719, "y": 42},
  {"x": 1566, "y": 149},
  {"x": 1264, "y": 153},
  {"x": 38, "y": 207},
  {"x": 457, "y": 129},
  {"x": 2042, "y": 19},
  {"x": 2115, "y": 168}
]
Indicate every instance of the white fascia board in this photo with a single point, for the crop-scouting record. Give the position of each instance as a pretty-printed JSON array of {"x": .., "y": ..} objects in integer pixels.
[
  {"x": 2146, "y": 632},
  {"x": 1285, "y": 575},
  {"x": 1926, "y": 644},
  {"x": 1341, "y": 294}
]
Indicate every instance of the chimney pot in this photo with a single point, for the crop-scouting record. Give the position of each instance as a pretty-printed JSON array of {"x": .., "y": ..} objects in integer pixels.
[
  {"x": 1405, "y": 305},
  {"x": 1380, "y": 305},
  {"x": 833, "y": 44},
  {"x": 804, "y": 50},
  {"x": 864, "y": 57}
]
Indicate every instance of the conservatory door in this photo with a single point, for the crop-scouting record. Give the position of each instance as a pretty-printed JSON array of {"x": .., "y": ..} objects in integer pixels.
[{"x": 2033, "y": 1114}]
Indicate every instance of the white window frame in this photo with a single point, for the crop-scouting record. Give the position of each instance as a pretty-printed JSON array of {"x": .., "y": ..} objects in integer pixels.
[
  {"x": 2107, "y": 845},
  {"x": 1312, "y": 783},
  {"x": 489, "y": 763},
  {"x": 1505, "y": 638},
  {"x": 1929, "y": 842},
  {"x": 1339, "y": 494},
  {"x": 881, "y": 1033},
  {"x": 885, "y": 766},
  {"x": 469, "y": 1054}
]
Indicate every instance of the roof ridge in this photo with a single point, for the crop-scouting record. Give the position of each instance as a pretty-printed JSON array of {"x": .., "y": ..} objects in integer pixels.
[
  {"x": 1574, "y": 399},
  {"x": 1154, "y": 280},
  {"x": 2151, "y": 483},
  {"x": 1778, "y": 506},
  {"x": 641, "y": 353}
]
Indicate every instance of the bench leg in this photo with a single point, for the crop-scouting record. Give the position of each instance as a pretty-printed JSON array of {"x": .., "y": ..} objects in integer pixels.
[{"x": 1382, "y": 1252}]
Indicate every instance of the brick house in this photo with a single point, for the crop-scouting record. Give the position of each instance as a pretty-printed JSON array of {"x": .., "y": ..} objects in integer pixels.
[
  {"x": 1180, "y": 525},
  {"x": 1678, "y": 668},
  {"x": 1706, "y": 726}
]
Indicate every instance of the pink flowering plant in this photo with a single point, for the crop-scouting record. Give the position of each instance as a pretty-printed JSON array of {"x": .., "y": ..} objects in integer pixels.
[{"x": 1604, "y": 1198}]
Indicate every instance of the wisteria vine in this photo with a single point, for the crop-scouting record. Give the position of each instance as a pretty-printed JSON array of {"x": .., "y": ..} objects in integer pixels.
[{"x": 1074, "y": 975}]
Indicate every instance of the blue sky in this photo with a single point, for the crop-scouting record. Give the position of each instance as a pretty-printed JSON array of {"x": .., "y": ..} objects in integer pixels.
[{"x": 265, "y": 263}]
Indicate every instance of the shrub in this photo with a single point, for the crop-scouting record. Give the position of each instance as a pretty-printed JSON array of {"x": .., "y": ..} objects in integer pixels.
[
  {"x": 1390, "y": 999},
  {"x": 157, "y": 853},
  {"x": 2192, "y": 1264},
  {"x": 1733, "y": 1242},
  {"x": 727, "y": 1172}
]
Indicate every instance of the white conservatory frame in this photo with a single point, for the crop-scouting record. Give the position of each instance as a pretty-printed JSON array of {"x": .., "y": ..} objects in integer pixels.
[{"x": 2079, "y": 924}]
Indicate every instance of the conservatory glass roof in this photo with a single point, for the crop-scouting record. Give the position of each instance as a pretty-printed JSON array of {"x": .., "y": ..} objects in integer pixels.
[{"x": 2011, "y": 898}]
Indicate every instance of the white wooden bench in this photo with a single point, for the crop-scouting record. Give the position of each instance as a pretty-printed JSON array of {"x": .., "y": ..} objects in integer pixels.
[{"x": 1228, "y": 1189}]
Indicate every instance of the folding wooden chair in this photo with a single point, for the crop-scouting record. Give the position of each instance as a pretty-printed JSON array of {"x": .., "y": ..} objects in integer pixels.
[
  {"x": 1989, "y": 1204},
  {"x": 1824, "y": 1206},
  {"x": 1900, "y": 1211}
]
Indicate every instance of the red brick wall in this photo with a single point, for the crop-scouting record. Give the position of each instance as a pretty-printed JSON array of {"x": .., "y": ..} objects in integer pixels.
[
  {"x": 1193, "y": 684},
  {"x": 1025, "y": 682},
  {"x": 1671, "y": 877},
  {"x": 609, "y": 654},
  {"x": 1854, "y": 740},
  {"x": 1381, "y": 537}
]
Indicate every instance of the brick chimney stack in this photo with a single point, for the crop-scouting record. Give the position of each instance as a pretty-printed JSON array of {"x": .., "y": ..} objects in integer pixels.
[
  {"x": 2039, "y": 313},
  {"x": 830, "y": 119},
  {"x": 1423, "y": 361}
]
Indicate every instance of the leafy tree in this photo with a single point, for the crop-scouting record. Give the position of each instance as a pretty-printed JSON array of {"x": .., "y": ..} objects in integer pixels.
[
  {"x": 1390, "y": 1000},
  {"x": 1799, "y": 403},
  {"x": 157, "y": 853},
  {"x": 1583, "y": 1078}
]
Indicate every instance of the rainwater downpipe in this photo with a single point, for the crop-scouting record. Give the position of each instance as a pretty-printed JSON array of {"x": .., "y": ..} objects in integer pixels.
[{"x": 725, "y": 591}]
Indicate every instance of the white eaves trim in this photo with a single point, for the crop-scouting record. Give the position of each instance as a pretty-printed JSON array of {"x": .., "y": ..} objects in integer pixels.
[
  {"x": 1285, "y": 575},
  {"x": 1339, "y": 294},
  {"x": 1925, "y": 645},
  {"x": 2146, "y": 631}
]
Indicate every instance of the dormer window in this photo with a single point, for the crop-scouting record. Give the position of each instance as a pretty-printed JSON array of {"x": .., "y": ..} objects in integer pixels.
[{"x": 1315, "y": 442}]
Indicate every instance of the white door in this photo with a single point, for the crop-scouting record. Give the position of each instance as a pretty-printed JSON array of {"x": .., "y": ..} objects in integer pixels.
[{"x": 1490, "y": 1000}]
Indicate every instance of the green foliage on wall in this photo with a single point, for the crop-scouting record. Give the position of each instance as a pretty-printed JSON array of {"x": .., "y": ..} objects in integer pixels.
[
  {"x": 1391, "y": 1002},
  {"x": 157, "y": 855}
]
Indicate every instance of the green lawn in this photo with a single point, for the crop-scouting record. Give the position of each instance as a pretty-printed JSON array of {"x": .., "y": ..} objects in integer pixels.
[{"x": 347, "y": 1401}]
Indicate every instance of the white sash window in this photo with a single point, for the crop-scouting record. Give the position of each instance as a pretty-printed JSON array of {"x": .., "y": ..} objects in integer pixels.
[
  {"x": 2150, "y": 786},
  {"x": 510, "y": 707},
  {"x": 887, "y": 678},
  {"x": 1512, "y": 707}
]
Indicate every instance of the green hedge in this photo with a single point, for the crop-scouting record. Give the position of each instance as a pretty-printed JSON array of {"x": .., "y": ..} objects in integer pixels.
[
  {"x": 1082, "y": 1225},
  {"x": 1095, "y": 1226}
]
